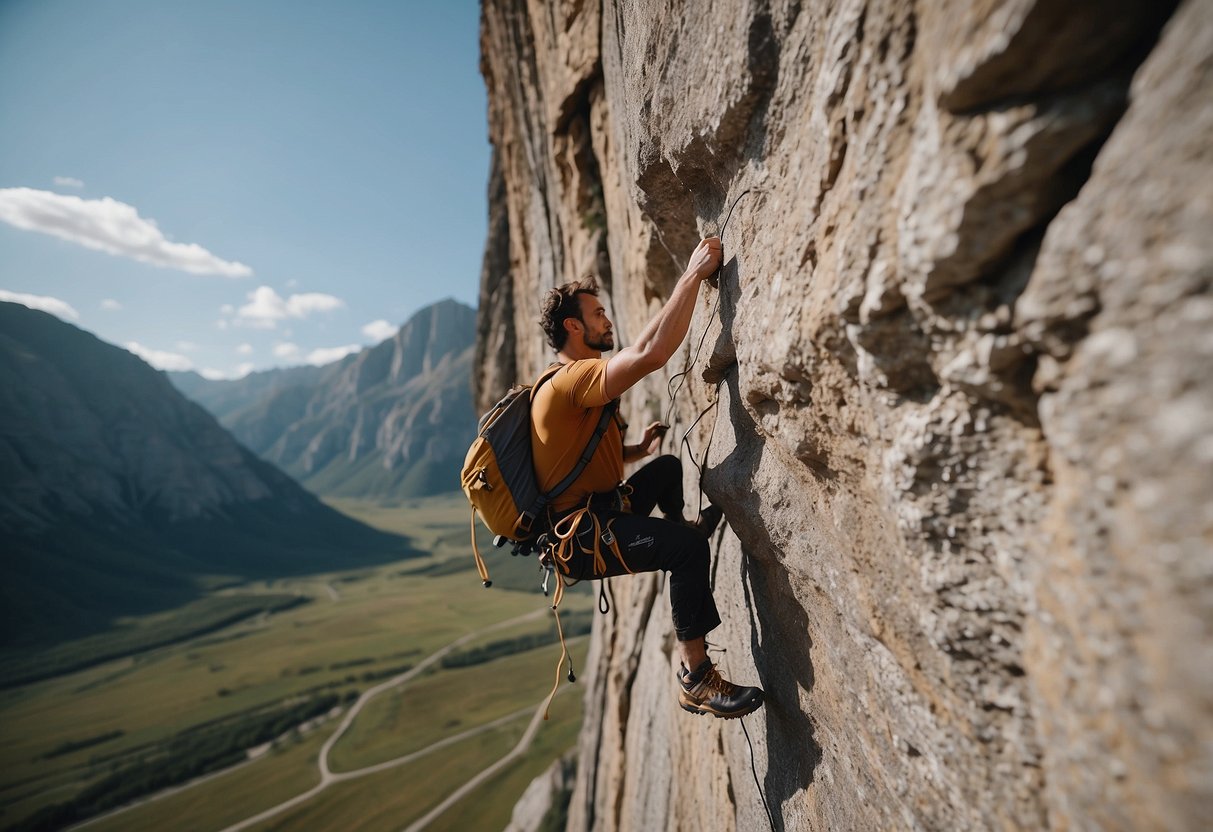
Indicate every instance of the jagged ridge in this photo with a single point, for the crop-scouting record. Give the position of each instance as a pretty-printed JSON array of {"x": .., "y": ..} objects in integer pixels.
[{"x": 392, "y": 420}]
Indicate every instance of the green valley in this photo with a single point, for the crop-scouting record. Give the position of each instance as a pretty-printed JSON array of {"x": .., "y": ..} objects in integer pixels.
[{"x": 282, "y": 673}]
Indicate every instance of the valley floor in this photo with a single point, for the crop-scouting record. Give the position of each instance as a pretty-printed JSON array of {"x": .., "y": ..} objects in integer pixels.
[{"x": 424, "y": 678}]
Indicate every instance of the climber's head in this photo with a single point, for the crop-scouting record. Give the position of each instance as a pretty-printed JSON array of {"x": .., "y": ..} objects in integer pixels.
[{"x": 573, "y": 319}]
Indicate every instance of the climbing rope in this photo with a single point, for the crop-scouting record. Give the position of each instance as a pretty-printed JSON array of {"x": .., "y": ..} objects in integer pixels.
[
  {"x": 754, "y": 771},
  {"x": 680, "y": 377},
  {"x": 701, "y": 465}
]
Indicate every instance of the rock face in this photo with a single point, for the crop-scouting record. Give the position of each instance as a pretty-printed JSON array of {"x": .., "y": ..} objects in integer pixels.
[
  {"x": 544, "y": 802},
  {"x": 117, "y": 494},
  {"x": 389, "y": 421},
  {"x": 955, "y": 389}
]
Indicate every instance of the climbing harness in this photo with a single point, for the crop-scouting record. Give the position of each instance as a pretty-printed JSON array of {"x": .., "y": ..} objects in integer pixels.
[{"x": 557, "y": 558}]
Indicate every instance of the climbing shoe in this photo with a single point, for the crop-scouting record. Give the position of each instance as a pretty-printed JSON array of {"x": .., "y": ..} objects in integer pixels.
[{"x": 705, "y": 691}]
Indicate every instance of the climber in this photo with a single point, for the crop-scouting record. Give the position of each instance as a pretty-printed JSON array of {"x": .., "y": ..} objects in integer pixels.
[{"x": 601, "y": 523}]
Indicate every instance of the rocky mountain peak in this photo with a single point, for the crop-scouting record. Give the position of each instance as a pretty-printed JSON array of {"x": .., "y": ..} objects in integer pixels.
[{"x": 391, "y": 420}]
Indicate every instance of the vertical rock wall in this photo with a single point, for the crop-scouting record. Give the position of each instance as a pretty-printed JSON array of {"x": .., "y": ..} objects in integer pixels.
[{"x": 953, "y": 388}]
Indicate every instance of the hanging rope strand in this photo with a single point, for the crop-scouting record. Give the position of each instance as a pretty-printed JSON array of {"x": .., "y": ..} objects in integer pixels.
[
  {"x": 680, "y": 377},
  {"x": 700, "y": 466}
]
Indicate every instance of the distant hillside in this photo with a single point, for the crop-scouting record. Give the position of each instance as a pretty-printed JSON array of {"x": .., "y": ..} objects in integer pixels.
[
  {"x": 118, "y": 495},
  {"x": 392, "y": 420}
]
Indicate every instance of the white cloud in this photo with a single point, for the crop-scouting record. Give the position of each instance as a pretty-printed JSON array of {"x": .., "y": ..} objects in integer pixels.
[
  {"x": 60, "y": 308},
  {"x": 226, "y": 309},
  {"x": 160, "y": 359},
  {"x": 286, "y": 350},
  {"x": 68, "y": 182},
  {"x": 241, "y": 371},
  {"x": 110, "y": 305},
  {"x": 110, "y": 226},
  {"x": 266, "y": 307},
  {"x": 245, "y": 349},
  {"x": 221, "y": 324},
  {"x": 187, "y": 346},
  {"x": 328, "y": 355},
  {"x": 379, "y": 330},
  {"x": 299, "y": 306}
]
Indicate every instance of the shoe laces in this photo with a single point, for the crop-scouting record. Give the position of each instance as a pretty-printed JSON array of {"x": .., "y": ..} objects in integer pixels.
[{"x": 712, "y": 679}]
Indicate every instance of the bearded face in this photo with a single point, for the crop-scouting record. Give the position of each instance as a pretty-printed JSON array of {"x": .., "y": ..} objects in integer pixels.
[{"x": 599, "y": 331}]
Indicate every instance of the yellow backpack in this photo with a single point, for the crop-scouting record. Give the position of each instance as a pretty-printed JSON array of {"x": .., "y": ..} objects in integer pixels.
[{"x": 498, "y": 474}]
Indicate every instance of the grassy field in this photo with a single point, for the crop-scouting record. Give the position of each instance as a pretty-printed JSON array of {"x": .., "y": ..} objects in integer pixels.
[
  {"x": 214, "y": 612},
  {"x": 228, "y": 798},
  {"x": 391, "y": 800},
  {"x": 357, "y": 629},
  {"x": 416, "y": 715},
  {"x": 489, "y": 806}
]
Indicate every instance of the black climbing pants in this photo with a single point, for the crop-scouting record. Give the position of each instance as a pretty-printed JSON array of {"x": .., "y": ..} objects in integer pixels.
[{"x": 648, "y": 544}]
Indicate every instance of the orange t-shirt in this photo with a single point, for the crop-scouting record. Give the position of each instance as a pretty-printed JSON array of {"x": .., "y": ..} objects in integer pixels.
[{"x": 564, "y": 413}]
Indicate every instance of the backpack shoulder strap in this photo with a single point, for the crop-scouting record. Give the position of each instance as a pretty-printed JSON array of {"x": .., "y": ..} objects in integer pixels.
[
  {"x": 604, "y": 421},
  {"x": 546, "y": 375},
  {"x": 600, "y": 430}
]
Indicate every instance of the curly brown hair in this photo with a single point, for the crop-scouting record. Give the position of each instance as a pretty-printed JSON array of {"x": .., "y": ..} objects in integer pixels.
[{"x": 559, "y": 305}]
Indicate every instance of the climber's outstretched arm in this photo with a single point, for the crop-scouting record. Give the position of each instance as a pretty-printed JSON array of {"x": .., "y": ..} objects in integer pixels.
[{"x": 661, "y": 337}]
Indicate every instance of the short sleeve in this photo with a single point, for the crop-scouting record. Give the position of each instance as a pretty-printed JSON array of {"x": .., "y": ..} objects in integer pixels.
[{"x": 583, "y": 383}]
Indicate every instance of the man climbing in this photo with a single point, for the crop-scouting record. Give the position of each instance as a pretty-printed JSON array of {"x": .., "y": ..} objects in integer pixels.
[{"x": 603, "y": 528}]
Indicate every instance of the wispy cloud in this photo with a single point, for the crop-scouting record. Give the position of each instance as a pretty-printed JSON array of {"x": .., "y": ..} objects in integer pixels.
[
  {"x": 110, "y": 305},
  {"x": 245, "y": 349},
  {"x": 68, "y": 182},
  {"x": 266, "y": 307},
  {"x": 379, "y": 330},
  {"x": 286, "y": 350},
  {"x": 59, "y": 308},
  {"x": 211, "y": 374},
  {"x": 328, "y": 355},
  {"x": 160, "y": 359},
  {"x": 110, "y": 226}
]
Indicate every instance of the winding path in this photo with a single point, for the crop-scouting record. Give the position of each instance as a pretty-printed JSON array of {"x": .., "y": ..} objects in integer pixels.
[
  {"x": 454, "y": 797},
  {"x": 328, "y": 777}
]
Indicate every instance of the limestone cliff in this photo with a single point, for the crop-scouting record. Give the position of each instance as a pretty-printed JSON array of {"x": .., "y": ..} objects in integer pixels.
[{"x": 954, "y": 390}]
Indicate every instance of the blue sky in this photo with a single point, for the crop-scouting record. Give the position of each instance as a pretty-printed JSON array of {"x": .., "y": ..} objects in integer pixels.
[{"x": 235, "y": 185}]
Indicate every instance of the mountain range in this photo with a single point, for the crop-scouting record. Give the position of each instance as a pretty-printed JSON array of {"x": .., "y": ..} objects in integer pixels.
[
  {"x": 118, "y": 495},
  {"x": 393, "y": 420}
]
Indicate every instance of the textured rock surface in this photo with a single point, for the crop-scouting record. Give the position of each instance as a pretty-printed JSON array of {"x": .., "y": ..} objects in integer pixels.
[
  {"x": 955, "y": 374},
  {"x": 391, "y": 420},
  {"x": 545, "y": 799}
]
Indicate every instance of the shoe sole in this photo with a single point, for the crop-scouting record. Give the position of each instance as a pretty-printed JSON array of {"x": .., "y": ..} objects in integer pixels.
[{"x": 700, "y": 709}]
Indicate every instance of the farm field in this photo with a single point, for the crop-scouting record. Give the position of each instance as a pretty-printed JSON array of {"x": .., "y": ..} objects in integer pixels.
[{"x": 198, "y": 701}]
